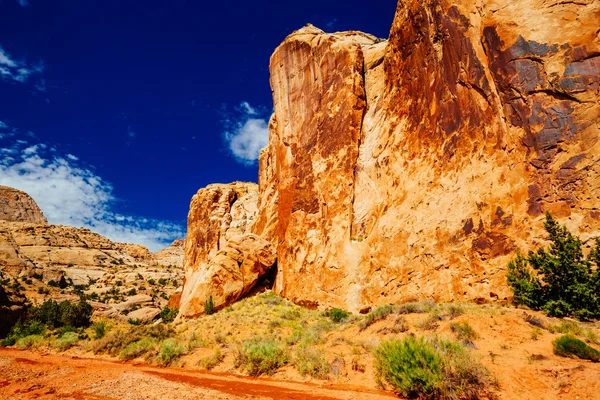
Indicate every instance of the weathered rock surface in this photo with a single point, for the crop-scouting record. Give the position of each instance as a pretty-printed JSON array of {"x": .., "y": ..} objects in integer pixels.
[
  {"x": 414, "y": 168},
  {"x": 172, "y": 255},
  {"x": 222, "y": 258},
  {"x": 18, "y": 206}
]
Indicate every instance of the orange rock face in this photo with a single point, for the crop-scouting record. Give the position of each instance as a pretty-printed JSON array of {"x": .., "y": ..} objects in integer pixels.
[
  {"x": 414, "y": 168},
  {"x": 223, "y": 259}
]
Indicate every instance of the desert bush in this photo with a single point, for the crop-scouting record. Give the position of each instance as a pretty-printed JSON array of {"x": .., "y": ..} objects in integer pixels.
[
  {"x": 100, "y": 329},
  {"x": 290, "y": 314},
  {"x": 30, "y": 342},
  {"x": 337, "y": 315},
  {"x": 568, "y": 346},
  {"x": 168, "y": 352},
  {"x": 455, "y": 310},
  {"x": 464, "y": 332},
  {"x": 535, "y": 321},
  {"x": 137, "y": 349},
  {"x": 310, "y": 361},
  {"x": 416, "y": 307},
  {"x": 66, "y": 341},
  {"x": 378, "y": 314},
  {"x": 574, "y": 329},
  {"x": 432, "y": 369},
  {"x": 260, "y": 356},
  {"x": 209, "y": 363},
  {"x": 558, "y": 280},
  {"x": 168, "y": 314},
  {"x": 431, "y": 322}
]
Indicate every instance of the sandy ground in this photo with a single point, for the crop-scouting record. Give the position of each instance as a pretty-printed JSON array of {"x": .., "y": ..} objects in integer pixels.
[{"x": 32, "y": 375}]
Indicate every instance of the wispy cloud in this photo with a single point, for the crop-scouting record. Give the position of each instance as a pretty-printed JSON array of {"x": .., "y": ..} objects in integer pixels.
[
  {"x": 15, "y": 70},
  {"x": 247, "y": 134},
  {"x": 23, "y": 3},
  {"x": 71, "y": 193}
]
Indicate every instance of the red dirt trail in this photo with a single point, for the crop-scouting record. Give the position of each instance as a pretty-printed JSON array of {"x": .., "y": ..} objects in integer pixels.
[{"x": 32, "y": 375}]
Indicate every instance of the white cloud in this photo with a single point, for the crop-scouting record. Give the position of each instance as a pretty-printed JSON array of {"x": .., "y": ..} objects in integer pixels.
[
  {"x": 23, "y": 3},
  {"x": 247, "y": 135},
  {"x": 71, "y": 194},
  {"x": 16, "y": 71},
  {"x": 3, "y": 125}
]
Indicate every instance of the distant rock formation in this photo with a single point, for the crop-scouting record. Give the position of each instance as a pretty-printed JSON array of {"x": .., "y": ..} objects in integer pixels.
[
  {"x": 55, "y": 258},
  {"x": 414, "y": 168},
  {"x": 172, "y": 255},
  {"x": 223, "y": 260},
  {"x": 18, "y": 206}
]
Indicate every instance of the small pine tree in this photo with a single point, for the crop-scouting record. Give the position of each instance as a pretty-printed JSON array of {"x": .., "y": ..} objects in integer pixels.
[
  {"x": 209, "y": 306},
  {"x": 559, "y": 280}
]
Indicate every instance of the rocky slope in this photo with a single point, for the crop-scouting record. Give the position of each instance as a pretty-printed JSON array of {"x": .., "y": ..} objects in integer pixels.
[
  {"x": 55, "y": 261},
  {"x": 414, "y": 168}
]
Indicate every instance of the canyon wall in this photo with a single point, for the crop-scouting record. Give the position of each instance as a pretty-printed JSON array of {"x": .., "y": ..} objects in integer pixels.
[{"x": 413, "y": 168}]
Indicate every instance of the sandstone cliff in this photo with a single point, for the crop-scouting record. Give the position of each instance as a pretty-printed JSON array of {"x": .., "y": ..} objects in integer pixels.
[
  {"x": 18, "y": 206},
  {"x": 223, "y": 259},
  {"x": 414, "y": 168}
]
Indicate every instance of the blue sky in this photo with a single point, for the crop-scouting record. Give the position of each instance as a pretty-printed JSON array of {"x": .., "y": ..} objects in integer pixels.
[{"x": 114, "y": 113}]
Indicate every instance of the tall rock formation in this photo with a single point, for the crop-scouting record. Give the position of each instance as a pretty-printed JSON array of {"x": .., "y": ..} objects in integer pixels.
[
  {"x": 18, "y": 206},
  {"x": 414, "y": 168},
  {"x": 223, "y": 259}
]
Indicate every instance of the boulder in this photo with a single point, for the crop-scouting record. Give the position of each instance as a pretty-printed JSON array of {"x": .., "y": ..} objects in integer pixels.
[{"x": 223, "y": 260}]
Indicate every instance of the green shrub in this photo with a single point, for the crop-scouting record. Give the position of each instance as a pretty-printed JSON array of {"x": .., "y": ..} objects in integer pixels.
[
  {"x": 169, "y": 351},
  {"x": 137, "y": 349},
  {"x": 417, "y": 367},
  {"x": 209, "y": 306},
  {"x": 260, "y": 356},
  {"x": 560, "y": 280},
  {"x": 574, "y": 329},
  {"x": 30, "y": 342},
  {"x": 338, "y": 315},
  {"x": 464, "y": 332},
  {"x": 23, "y": 329},
  {"x": 134, "y": 321},
  {"x": 168, "y": 314},
  {"x": 568, "y": 346},
  {"x": 310, "y": 361},
  {"x": 100, "y": 329},
  {"x": 66, "y": 341},
  {"x": 379, "y": 313}
]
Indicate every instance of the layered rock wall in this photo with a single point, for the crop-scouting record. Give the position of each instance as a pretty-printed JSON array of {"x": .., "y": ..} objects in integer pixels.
[{"x": 414, "y": 168}]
